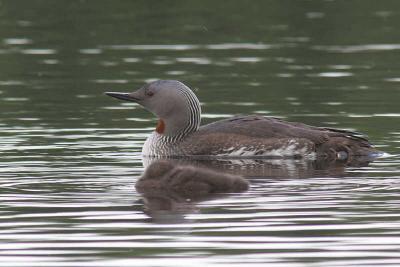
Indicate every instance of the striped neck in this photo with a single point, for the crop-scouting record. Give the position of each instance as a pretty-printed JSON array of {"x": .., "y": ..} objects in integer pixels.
[{"x": 184, "y": 122}]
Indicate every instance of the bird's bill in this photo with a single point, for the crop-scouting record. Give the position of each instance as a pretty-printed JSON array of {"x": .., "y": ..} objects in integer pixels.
[{"x": 124, "y": 96}]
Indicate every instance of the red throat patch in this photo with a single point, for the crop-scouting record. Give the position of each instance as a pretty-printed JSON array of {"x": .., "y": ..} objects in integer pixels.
[{"x": 160, "y": 126}]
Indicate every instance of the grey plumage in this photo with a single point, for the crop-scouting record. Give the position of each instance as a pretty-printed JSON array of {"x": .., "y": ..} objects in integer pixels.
[{"x": 179, "y": 112}]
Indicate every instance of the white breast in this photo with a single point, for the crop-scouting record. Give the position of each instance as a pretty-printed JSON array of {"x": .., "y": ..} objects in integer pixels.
[
  {"x": 157, "y": 145},
  {"x": 149, "y": 146}
]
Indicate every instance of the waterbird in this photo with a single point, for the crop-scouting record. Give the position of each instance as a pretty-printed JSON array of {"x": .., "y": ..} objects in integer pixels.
[{"x": 178, "y": 132}]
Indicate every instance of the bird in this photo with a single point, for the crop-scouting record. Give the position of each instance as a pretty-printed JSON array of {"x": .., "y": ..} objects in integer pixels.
[{"x": 178, "y": 132}]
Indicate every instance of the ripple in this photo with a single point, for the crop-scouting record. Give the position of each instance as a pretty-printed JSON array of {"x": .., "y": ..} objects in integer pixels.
[
  {"x": 285, "y": 75},
  {"x": 24, "y": 23},
  {"x": 110, "y": 81},
  {"x": 11, "y": 82},
  {"x": 131, "y": 60},
  {"x": 341, "y": 67},
  {"x": 74, "y": 198},
  {"x": 176, "y": 72},
  {"x": 354, "y": 115},
  {"x": 214, "y": 116},
  {"x": 239, "y": 46},
  {"x": 196, "y": 60},
  {"x": 299, "y": 67},
  {"x": 15, "y": 99},
  {"x": 138, "y": 119},
  {"x": 153, "y": 47},
  {"x": 246, "y": 59},
  {"x": 238, "y": 103},
  {"x": 332, "y": 103},
  {"x": 357, "y": 48},
  {"x": 332, "y": 74},
  {"x": 28, "y": 119},
  {"x": 315, "y": 15},
  {"x": 51, "y": 61},
  {"x": 90, "y": 51},
  {"x": 39, "y": 51},
  {"x": 69, "y": 163},
  {"x": 17, "y": 41},
  {"x": 384, "y": 13},
  {"x": 183, "y": 47},
  {"x": 149, "y": 80},
  {"x": 386, "y": 115},
  {"x": 298, "y": 39},
  {"x": 392, "y": 80},
  {"x": 84, "y": 96},
  {"x": 287, "y": 60},
  {"x": 162, "y": 61},
  {"x": 108, "y": 63}
]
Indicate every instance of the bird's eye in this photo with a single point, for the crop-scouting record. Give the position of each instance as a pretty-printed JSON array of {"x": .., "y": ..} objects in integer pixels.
[{"x": 149, "y": 93}]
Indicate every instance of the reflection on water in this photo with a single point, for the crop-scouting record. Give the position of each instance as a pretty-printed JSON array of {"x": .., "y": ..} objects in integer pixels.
[
  {"x": 273, "y": 168},
  {"x": 70, "y": 157},
  {"x": 358, "y": 48},
  {"x": 171, "y": 187}
]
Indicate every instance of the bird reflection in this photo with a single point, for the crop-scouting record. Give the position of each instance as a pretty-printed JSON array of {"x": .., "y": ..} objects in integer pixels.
[
  {"x": 167, "y": 185},
  {"x": 272, "y": 167},
  {"x": 172, "y": 188}
]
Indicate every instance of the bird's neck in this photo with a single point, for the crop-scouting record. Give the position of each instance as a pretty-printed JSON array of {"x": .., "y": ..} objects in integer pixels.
[
  {"x": 182, "y": 122},
  {"x": 178, "y": 128}
]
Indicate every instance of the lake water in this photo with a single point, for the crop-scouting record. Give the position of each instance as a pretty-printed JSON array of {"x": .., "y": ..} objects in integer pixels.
[{"x": 70, "y": 156}]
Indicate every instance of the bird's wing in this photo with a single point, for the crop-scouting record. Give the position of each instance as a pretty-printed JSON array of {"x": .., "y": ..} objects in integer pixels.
[{"x": 267, "y": 127}]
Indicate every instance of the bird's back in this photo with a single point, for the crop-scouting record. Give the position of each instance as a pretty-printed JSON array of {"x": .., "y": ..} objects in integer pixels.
[{"x": 261, "y": 136}]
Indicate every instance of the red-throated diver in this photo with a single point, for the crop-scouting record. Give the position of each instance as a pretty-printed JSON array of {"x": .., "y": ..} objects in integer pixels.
[{"x": 178, "y": 132}]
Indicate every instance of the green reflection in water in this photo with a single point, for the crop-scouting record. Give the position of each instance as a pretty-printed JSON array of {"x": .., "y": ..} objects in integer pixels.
[{"x": 71, "y": 155}]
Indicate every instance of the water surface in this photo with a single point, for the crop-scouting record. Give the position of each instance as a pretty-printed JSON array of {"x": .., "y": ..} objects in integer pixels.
[{"x": 70, "y": 156}]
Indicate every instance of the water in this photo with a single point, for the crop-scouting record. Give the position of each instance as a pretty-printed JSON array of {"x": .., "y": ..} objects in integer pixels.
[{"x": 70, "y": 156}]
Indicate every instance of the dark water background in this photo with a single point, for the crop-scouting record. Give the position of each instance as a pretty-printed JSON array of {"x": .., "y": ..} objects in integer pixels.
[{"x": 69, "y": 156}]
